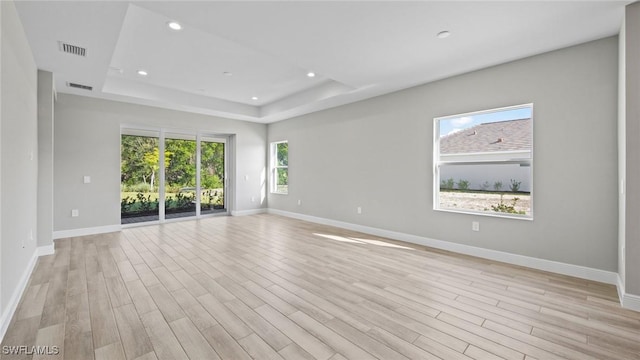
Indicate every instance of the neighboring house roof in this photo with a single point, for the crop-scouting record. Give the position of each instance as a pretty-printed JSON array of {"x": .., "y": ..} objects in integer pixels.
[{"x": 510, "y": 135}]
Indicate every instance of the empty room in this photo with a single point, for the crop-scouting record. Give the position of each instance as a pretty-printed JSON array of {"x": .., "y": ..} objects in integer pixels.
[{"x": 320, "y": 180}]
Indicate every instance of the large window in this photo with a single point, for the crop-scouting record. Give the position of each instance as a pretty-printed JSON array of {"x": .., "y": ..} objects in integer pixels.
[
  {"x": 280, "y": 167},
  {"x": 483, "y": 162}
]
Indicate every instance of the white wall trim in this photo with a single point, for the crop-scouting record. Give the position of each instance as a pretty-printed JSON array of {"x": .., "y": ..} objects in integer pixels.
[
  {"x": 45, "y": 250},
  {"x": 628, "y": 301},
  {"x": 631, "y": 302},
  {"x": 17, "y": 294},
  {"x": 248, "y": 212},
  {"x": 620, "y": 287},
  {"x": 61, "y": 234},
  {"x": 531, "y": 262}
]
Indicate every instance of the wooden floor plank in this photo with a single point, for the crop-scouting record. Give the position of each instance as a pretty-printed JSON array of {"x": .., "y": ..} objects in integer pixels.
[
  {"x": 260, "y": 326},
  {"x": 194, "y": 344},
  {"x": 103, "y": 324},
  {"x": 132, "y": 334},
  {"x": 51, "y": 339},
  {"x": 110, "y": 352},
  {"x": 165, "y": 344},
  {"x": 258, "y": 349}
]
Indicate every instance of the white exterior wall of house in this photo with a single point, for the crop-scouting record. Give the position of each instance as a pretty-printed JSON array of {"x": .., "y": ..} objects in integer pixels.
[{"x": 477, "y": 175}]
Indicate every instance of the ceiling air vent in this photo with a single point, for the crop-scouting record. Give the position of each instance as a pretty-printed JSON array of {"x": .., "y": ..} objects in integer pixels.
[
  {"x": 72, "y": 49},
  {"x": 80, "y": 86}
]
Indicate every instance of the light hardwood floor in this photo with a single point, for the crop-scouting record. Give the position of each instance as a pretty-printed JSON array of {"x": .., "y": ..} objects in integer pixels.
[{"x": 268, "y": 287}]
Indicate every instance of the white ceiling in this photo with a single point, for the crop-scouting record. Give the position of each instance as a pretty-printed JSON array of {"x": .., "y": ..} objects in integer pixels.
[{"x": 357, "y": 49}]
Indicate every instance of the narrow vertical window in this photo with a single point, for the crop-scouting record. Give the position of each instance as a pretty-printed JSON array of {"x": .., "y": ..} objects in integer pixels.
[{"x": 280, "y": 167}]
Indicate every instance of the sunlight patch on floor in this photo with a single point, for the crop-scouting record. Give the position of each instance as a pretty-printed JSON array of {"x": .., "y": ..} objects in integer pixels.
[{"x": 362, "y": 241}]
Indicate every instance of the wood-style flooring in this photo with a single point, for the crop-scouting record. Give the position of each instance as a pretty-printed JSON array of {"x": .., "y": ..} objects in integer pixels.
[{"x": 269, "y": 287}]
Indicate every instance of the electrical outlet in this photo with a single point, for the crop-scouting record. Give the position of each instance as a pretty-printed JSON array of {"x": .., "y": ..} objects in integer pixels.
[
  {"x": 299, "y": 202},
  {"x": 253, "y": 199},
  {"x": 87, "y": 179},
  {"x": 75, "y": 213},
  {"x": 475, "y": 225},
  {"x": 359, "y": 210}
]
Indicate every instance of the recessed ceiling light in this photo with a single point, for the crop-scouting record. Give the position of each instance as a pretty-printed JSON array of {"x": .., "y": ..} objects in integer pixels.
[
  {"x": 254, "y": 98},
  {"x": 142, "y": 73},
  {"x": 443, "y": 34},
  {"x": 311, "y": 74},
  {"x": 227, "y": 73},
  {"x": 174, "y": 25}
]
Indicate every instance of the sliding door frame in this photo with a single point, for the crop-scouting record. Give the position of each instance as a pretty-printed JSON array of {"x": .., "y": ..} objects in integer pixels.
[{"x": 229, "y": 163}]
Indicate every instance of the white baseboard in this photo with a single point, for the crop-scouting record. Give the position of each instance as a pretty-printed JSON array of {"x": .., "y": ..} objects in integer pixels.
[
  {"x": 582, "y": 272},
  {"x": 631, "y": 302},
  {"x": 45, "y": 250},
  {"x": 61, "y": 234},
  {"x": 620, "y": 287},
  {"x": 12, "y": 305},
  {"x": 248, "y": 212},
  {"x": 628, "y": 301}
]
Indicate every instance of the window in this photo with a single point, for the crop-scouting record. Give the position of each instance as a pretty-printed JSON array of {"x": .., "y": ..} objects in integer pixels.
[
  {"x": 483, "y": 162},
  {"x": 280, "y": 167}
]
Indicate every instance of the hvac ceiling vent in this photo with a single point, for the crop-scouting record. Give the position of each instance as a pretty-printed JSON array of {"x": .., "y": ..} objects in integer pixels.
[
  {"x": 72, "y": 49},
  {"x": 80, "y": 86}
]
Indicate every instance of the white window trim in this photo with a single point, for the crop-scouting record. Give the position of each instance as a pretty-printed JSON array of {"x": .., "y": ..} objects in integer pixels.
[
  {"x": 437, "y": 162},
  {"x": 273, "y": 165}
]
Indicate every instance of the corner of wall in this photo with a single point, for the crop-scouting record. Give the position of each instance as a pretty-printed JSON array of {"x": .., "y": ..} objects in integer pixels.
[{"x": 622, "y": 149}]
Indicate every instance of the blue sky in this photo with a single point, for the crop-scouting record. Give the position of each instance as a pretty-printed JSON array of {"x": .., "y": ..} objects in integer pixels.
[{"x": 453, "y": 124}]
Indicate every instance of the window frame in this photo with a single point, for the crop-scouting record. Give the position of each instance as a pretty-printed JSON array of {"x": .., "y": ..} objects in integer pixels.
[
  {"x": 438, "y": 163},
  {"x": 274, "y": 167}
]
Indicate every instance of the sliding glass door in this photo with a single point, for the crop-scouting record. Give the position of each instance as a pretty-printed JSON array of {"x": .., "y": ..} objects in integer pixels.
[{"x": 189, "y": 180}]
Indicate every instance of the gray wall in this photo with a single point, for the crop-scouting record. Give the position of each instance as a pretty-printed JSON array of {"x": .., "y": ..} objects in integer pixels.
[
  {"x": 377, "y": 154},
  {"x": 18, "y": 152},
  {"x": 632, "y": 201},
  {"x": 45, "y": 157},
  {"x": 87, "y": 142}
]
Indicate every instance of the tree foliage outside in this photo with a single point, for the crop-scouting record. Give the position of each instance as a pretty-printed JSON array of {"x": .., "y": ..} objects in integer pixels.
[
  {"x": 140, "y": 167},
  {"x": 282, "y": 167},
  {"x": 134, "y": 169}
]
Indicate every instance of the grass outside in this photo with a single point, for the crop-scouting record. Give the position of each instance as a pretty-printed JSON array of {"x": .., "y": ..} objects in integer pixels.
[{"x": 483, "y": 200}]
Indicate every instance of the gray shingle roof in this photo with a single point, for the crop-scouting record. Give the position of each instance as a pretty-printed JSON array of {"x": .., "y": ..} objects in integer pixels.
[{"x": 510, "y": 135}]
